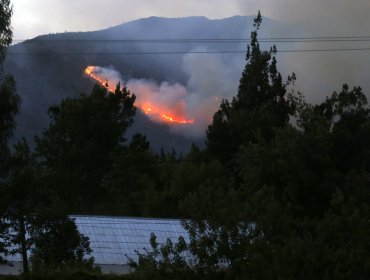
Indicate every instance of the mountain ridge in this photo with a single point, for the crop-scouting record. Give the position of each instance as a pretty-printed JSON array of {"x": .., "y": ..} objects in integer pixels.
[{"x": 46, "y": 74}]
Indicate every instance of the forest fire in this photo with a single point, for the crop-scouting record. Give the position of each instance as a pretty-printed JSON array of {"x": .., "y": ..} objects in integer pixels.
[{"x": 156, "y": 111}]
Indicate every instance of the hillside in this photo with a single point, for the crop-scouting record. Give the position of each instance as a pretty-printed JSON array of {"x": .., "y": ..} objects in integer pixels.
[{"x": 50, "y": 67}]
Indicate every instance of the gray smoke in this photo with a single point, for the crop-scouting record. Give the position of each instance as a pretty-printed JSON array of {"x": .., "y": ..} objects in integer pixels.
[
  {"x": 211, "y": 78},
  {"x": 320, "y": 73}
]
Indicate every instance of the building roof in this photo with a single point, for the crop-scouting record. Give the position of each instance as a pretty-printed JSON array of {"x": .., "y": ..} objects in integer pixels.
[{"x": 115, "y": 239}]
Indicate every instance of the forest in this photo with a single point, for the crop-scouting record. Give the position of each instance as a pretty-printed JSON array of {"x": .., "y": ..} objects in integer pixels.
[{"x": 280, "y": 191}]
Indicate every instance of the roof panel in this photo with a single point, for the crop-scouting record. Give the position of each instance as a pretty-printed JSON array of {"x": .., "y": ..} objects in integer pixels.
[{"x": 112, "y": 239}]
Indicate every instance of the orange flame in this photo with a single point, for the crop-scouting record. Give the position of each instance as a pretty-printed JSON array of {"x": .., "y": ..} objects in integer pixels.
[{"x": 147, "y": 108}]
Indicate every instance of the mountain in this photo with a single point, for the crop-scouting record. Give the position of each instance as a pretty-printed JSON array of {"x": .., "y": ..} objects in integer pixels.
[{"x": 49, "y": 68}]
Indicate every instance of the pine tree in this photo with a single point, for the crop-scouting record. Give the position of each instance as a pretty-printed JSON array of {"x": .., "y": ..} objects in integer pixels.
[
  {"x": 9, "y": 107},
  {"x": 9, "y": 100},
  {"x": 261, "y": 104},
  {"x": 78, "y": 147}
]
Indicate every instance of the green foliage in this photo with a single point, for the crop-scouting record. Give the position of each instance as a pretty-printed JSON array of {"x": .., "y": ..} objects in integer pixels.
[
  {"x": 78, "y": 147},
  {"x": 296, "y": 202},
  {"x": 179, "y": 178},
  {"x": 293, "y": 212},
  {"x": 9, "y": 100},
  {"x": 58, "y": 244},
  {"x": 6, "y": 34},
  {"x": 9, "y": 106},
  {"x": 163, "y": 260},
  {"x": 132, "y": 173},
  {"x": 67, "y": 275},
  {"x": 262, "y": 104},
  {"x": 22, "y": 199},
  {"x": 31, "y": 220},
  {"x": 21, "y": 189},
  {"x": 4, "y": 237}
]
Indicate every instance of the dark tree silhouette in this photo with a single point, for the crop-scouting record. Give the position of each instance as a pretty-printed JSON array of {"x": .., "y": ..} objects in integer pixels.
[{"x": 260, "y": 106}]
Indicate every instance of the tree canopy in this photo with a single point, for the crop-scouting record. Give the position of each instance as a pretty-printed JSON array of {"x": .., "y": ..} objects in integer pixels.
[
  {"x": 9, "y": 107},
  {"x": 261, "y": 104},
  {"x": 9, "y": 100},
  {"x": 79, "y": 146},
  {"x": 296, "y": 202},
  {"x": 6, "y": 34}
]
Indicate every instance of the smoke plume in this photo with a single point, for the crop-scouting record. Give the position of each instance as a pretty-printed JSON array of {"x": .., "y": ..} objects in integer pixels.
[{"x": 210, "y": 79}]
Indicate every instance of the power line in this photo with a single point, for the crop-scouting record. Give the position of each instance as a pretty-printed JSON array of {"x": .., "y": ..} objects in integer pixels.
[
  {"x": 77, "y": 42},
  {"x": 183, "y": 52},
  {"x": 206, "y": 40}
]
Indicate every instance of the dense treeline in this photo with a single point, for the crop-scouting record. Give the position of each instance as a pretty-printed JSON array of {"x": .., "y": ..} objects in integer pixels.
[
  {"x": 280, "y": 192},
  {"x": 77, "y": 275},
  {"x": 293, "y": 200}
]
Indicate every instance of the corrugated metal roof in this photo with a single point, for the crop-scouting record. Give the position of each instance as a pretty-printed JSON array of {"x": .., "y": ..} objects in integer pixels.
[{"x": 114, "y": 239}]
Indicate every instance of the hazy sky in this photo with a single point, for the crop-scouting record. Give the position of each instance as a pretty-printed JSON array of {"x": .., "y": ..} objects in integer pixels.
[{"x": 35, "y": 17}]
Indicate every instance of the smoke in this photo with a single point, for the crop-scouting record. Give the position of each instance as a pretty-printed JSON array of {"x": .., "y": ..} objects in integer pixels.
[
  {"x": 320, "y": 73},
  {"x": 107, "y": 74},
  {"x": 336, "y": 15},
  {"x": 210, "y": 78},
  {"x": 162, "y": 102},
  {"x": 167, "y": 98}
]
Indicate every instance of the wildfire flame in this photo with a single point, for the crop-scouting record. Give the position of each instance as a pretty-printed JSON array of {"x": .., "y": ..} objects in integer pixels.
[{"x": 146, "y": 107}]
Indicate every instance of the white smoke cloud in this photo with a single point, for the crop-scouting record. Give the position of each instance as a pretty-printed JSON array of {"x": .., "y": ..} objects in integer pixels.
[
  {"x": 153, "y": 98},
  {"x": 211, "y": 78},
  {"x": 109, "y": 74},
  {"x": 169, "y": 98}
]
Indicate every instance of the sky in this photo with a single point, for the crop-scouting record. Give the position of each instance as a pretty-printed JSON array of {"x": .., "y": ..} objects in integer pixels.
[{"x": 36, "y": 17}]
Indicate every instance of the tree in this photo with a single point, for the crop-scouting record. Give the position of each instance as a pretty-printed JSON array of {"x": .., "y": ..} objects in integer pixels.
[
  {"x": 300, "y": 209},
  {"x": 133, "y": 171},
  {"x": 32, "y": 218},
  {"x": 9, "y": 107},
  {"x": 6, "y": 34},
  {"x": 58, "y": 244},
  {"x": 262, "y": 104},
  {"x": 297, "y": 202},
  {"x": 348, "y": 115},
  {"x": 309, "y": 195},
  {"x": 24, "y": 199},
  {"x": 4, "y": 239},
  {"x": 9, "y": 100},
  {"x": 78, "y": 148},
  {"x": 164, "y": 261},
  {"x": 178, "y": 177}
]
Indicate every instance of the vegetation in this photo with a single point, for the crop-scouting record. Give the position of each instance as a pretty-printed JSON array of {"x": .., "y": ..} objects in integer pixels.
[
  {"x": 77, "y": 149},
  {"x": 28, "y": 216},
  {"x": 6, "y": 34},
  {"x": 9, "y": 106},
  {"x": 9, "y": 100},
  {"x": 280, "y": 192},
  {"x": 260, "y": 107},
  {"x": 295, "y": 204}
]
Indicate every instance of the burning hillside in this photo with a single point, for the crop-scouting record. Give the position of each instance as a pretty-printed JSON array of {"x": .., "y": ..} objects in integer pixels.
[{"x": 163, "y": 104}]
